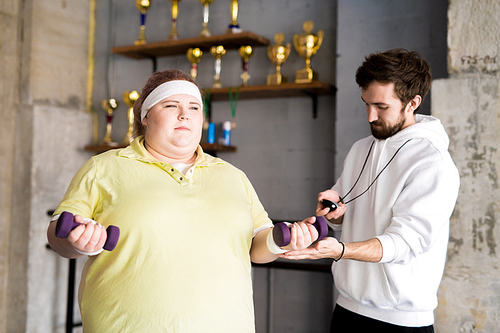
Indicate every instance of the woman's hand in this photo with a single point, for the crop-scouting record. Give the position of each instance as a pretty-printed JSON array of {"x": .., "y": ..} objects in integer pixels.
[
  {"x": 302, "y": 234},
  {"x": 89, "y": 237}
]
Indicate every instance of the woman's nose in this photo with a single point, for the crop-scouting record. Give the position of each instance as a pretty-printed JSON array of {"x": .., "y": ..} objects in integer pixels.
[{"x": 183, "y": 115}]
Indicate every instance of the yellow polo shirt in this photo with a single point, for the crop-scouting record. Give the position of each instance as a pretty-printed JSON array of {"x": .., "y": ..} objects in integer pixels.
[{"x": 182, "y": 263}]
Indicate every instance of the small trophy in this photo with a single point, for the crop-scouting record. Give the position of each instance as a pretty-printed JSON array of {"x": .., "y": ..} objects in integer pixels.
[
  {"x": 143, "y": 6},
  {"x": 129, "y": 97},
  {"x": 218, "y": 52},
  {"x": 278, "y": 55},
  {"x": 205, "y": 32},
  {"x": 234, "y": 27},
  {"x": 173, "y": 35},
  {"x": 245, "y": 54},
  {"x": 109, "y": 105},
  {"x": 194, "y": 56},
  {"x": 307, "y": 44}
]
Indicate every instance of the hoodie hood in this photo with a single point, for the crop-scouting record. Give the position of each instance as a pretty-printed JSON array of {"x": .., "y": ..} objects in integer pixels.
[{"x": 425, "y": 127}]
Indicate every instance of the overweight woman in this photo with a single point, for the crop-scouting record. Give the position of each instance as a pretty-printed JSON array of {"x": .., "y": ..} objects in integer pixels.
[{"x": 190, "y": 225}]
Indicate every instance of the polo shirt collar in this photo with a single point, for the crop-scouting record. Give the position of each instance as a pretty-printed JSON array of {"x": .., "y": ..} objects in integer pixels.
[{"x": 137, "y": 151}]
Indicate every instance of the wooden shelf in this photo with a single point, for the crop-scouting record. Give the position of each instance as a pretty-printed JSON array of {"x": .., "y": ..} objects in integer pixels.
[
  {"x": 100, "y": 148},
  {"x": 217, "y": 147},
  {"x": 176, "y": 47},
  {"x": 314, "y": 88}
]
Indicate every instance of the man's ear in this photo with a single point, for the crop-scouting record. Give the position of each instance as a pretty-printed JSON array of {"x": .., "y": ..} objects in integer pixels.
[{"x": 415, "y": 103}]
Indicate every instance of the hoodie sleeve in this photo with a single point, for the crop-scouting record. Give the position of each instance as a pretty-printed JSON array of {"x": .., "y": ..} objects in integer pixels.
[{"x": 421, "y": 213}]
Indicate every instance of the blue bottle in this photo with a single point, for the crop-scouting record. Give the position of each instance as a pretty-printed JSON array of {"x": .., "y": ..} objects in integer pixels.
[
  {"x": 211, "y": 133},
  {"x": 226, "y": 130}
]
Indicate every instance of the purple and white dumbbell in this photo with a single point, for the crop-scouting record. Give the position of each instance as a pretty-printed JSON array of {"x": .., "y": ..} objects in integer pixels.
[
  {"x": 66, "y": 223},
  {"x": 282, "y": 236}
]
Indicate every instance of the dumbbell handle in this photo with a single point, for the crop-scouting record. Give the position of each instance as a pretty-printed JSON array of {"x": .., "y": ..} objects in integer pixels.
[
  {"x": 282, "y": 235},
  {"x": 66, "y": 223}
]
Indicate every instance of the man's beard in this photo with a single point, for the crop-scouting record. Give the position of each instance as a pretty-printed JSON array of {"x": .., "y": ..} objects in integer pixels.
[{"x": 386, "y": 131}]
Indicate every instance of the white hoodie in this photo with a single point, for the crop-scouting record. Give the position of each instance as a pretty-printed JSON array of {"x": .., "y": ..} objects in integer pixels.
[{"x": 408, "y": 209}]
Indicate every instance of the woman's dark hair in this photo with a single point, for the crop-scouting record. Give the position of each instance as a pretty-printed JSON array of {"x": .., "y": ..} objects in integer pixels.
[
  {"x": 409, "y": 72},
  {"x": 154, "y": 81}
]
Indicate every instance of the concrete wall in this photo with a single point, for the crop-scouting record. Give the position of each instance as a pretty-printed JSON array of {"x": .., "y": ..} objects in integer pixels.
[
  {"x": 44, "y": 127},
  {"x": 9, "y": 94},
  {"x": 469, "y": 105}
]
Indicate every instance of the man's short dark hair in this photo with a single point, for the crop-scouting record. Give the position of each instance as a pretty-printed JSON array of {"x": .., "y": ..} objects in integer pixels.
[{"x": 409, "y": 72}]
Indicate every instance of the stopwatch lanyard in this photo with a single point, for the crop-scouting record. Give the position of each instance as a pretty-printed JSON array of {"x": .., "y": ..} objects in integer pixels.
[{"x": 361, "y": 172}]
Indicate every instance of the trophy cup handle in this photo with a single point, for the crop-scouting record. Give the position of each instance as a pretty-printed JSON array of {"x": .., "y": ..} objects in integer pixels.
[
  {"x": 288, "y": 49},
  {"x": 296, "y": 43},
  {"x": 320, "y": 39}
]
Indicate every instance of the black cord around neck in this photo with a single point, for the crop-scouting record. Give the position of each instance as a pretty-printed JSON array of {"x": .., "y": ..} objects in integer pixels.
[{"x": 362, "y": 169}]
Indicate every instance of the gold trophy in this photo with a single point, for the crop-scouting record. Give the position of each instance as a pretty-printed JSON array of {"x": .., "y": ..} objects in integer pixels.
[
  {"x": 194, "y": 56},
  {"x": 205, "y": 32},
  {"x": 173, "y": 35},
  {"x": 307, "y": 44},
  {"x": 234, "y": 27},
  {"x": 109, "y": 105},
  {"x": 143, "y": 6},
  {"x": 218, "y": 52},
  {"x": 278, "y": 55},
  {"x": 245, "y": 54},
  {"x": 129, "y": 97}
]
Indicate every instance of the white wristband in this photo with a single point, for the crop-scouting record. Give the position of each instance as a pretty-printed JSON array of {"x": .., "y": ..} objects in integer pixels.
[
  {"x": 89, "y": 253},
  {"x": 271, "y": 245}
]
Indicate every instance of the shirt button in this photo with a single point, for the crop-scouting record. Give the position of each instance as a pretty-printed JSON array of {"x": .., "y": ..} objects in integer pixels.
[
  {"x": 181, "y": 178},
  {"x": 172, "y": 170}
]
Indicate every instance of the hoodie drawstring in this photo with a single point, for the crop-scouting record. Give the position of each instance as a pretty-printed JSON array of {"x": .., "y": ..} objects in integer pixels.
[{"x": 378, "y": 175}]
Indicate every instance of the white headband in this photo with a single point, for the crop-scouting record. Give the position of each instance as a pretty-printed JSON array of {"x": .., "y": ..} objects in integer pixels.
[{"x": 167, "y": 89}]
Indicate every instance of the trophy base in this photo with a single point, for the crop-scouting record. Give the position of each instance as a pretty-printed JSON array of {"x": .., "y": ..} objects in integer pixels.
[
  {"x": 205, "y": 33},
  {"x": 305, "y": 75},
  {"x": 275, "y": 79},
  {"x": 109, "y": 143},
  {"x": 234, "y": 29},
  {"x": 245, "y": 77},
  {"x": 173, "y": 37},
  {"x": 140, "y": 42}
]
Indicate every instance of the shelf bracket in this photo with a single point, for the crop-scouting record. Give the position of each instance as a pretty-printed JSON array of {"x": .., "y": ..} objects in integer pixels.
[
  {"x": 209, "y": 109},
  {"x": 155, "y": 63},
  {"x": 314, "y": 99}
]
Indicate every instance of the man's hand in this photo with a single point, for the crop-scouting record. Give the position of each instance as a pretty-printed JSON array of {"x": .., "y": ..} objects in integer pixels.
[
  {"x": 328, "y": 247},
  {"x": 367, "y": 251},
  {"x": 325, "y": 211}
]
